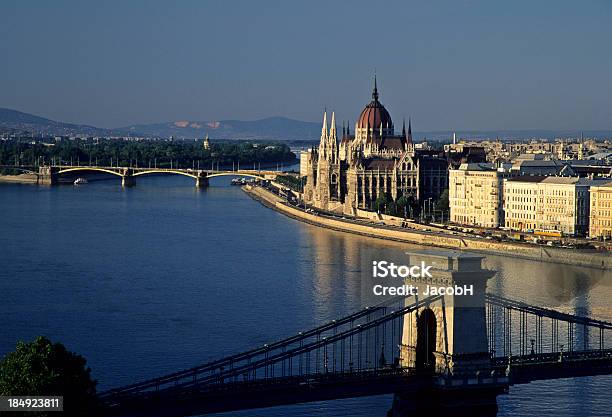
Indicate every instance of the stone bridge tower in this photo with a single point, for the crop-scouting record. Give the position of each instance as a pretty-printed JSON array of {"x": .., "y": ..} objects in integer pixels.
[{"x": 449, "y": 336}]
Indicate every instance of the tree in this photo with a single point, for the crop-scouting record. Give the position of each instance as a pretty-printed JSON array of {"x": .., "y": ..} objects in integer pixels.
[
  {"x": 402, "y": 204},
  {"x": 43, "y": 368},
  {"x": 442, "y": 203},
  {"x": 392, "y": 208},
  {"x": 407, "y": 205},
  {"x": 380, "y": 203}
]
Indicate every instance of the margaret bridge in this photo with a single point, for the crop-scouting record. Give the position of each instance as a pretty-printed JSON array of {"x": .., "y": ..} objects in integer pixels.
[{"x": 51, "y": 174}]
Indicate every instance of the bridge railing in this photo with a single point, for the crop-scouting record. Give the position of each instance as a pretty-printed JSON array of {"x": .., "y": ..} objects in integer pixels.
[
  {"x": 518, "y": 329},
  {"x": 309, "y": 347}
]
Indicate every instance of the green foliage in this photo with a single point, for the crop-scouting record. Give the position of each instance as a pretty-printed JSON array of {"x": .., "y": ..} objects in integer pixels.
[
  {"x": 442, "y": 203},
  {"x": 183, "y": 154},
  {"x": 43, "y": 368},
  {"x": 296, "y": 184},
  {"x": 406, "y": 205},
  {"x": 380, "y": 203},
  {"x": 402, "y": 202}
]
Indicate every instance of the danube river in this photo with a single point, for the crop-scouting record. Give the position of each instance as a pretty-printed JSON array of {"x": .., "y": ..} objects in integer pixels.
[{"x": 160, "y": 277}]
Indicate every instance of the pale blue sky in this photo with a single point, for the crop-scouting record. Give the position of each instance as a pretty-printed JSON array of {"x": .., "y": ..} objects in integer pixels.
[{"x": 465, "y": 65}]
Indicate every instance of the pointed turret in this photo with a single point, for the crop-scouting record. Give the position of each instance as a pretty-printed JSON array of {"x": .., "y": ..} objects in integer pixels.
[
  {"x": 404, "y": 127},
  {"x": 324, "y": 137},
  {"x": 409, "y": 130},
  {"x": 332, "y": 129},
  {"x": 324, "y": 128}
]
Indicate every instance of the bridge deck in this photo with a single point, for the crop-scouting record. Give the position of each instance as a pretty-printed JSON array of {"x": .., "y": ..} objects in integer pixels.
[
  {"x": 232, "y": 396},
  {"x": 206, "y": 399}
]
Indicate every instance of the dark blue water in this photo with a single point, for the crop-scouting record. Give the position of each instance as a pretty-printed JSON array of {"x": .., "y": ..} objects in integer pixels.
[{"x": 160, "y": 277}]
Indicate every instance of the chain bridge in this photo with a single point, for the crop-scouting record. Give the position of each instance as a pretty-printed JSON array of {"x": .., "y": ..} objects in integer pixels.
[{"x": 445, "y": 351}]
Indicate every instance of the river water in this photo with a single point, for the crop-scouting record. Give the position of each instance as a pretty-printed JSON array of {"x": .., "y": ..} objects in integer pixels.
[{"x": 161, "y": 277}]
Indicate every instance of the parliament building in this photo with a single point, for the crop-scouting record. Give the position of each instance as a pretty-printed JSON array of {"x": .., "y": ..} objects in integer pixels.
[{"x": 351, "y": 173}]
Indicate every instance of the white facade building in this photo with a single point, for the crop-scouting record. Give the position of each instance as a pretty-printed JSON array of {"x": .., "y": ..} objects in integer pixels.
[
  {"x": 548, "y": 203},
  {"x": 475, "y": 195}
]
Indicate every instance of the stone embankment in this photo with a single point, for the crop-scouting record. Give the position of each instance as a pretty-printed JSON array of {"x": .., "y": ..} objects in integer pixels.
[
  {"x": 519, "y": 250},
  {"x": 22, "y": 178}
]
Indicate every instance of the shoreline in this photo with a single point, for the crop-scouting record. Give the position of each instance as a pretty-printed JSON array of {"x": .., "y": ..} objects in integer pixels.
[
  {"x": 596, "y": 260},
  {"x": 19, "y": 179}
]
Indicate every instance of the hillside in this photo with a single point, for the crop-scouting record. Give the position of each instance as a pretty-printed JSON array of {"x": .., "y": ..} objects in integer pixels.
[{"x": 274, "y": 128}]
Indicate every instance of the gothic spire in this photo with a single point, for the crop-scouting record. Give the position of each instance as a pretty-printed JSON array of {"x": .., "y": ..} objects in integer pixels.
[
  {"x": 404, "y": 127},
  {"x": 324, "y": 128},
  {"x": 332, "y": 129},
  {"x": 375, "y": 91}
]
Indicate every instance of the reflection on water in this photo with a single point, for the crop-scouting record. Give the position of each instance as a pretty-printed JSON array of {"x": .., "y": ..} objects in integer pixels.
[{"x": 162, "y": 277}]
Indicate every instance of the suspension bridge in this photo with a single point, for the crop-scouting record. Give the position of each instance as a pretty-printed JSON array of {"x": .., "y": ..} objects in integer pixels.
[{"x": 462, "y": 352}]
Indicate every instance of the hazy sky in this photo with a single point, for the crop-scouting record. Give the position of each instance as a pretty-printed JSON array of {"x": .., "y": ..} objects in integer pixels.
[{"x": 449, "y": 64}]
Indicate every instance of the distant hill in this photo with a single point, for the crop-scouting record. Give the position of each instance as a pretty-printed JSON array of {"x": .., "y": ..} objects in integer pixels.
[
  {"x": 274, "y": 128},
  {"x": 271, "y": 128},
  {"x": 20, "y": 121}
]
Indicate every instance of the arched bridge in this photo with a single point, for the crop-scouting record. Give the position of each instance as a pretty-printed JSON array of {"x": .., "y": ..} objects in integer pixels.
[
  {"x": 50, "y": 174},
  {"x": 416, "y": 348}
]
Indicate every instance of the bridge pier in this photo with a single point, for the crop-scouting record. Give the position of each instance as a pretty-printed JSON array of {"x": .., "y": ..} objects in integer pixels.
[
  {"x": 128, "y": 181},
  {"x": 47, "y": 175},
  {"x": 481, "y": 402},
  {"x": 127, "y": 178},
  {"x": 201, "y": 180}
]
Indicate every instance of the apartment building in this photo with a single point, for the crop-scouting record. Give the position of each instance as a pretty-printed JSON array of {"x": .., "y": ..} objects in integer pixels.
[
  {"x": 601, "y": 210},
  {"x": 475, "y": 194},
  {"x": 548, "y": 203}
]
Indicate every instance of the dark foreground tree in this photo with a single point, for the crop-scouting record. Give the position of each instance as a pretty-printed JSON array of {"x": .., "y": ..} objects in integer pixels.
[{"x": 44, "y": 368}]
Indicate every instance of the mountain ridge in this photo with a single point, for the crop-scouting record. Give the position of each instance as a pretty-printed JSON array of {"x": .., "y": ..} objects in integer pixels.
[
  {"x": 269, "y": 128},
  {"x": 275, "y": 127}
]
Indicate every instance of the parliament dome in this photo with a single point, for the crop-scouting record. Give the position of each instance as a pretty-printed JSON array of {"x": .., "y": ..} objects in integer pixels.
[{"x": 374, "y": 114}]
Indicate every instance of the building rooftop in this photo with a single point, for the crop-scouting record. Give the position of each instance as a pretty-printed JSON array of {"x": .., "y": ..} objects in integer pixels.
[
  {"x": 477, "y": 166},
  {"x": 537, "y": 163},
  {"x": 379, "y": 163},
  {"x": 561, "y": 180},
  {"x": 527, "y": 178}
]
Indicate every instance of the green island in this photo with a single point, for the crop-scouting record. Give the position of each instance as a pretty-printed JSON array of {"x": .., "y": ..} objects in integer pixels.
[{"x": 160, "y": 153}]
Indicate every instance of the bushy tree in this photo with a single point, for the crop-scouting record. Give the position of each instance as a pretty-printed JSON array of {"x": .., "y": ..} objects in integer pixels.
[
  {"x": 442, "y": 203},
  {"x": 408, "y": 205},
  {"x": 380, "y": 203},
  {"x": 45, "y": 368}
]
